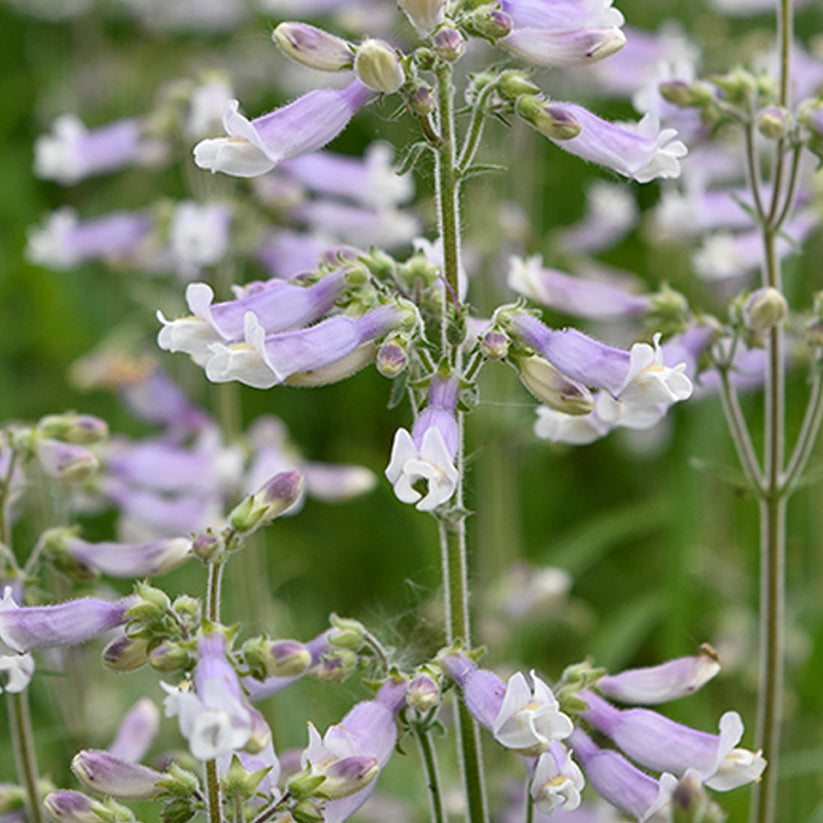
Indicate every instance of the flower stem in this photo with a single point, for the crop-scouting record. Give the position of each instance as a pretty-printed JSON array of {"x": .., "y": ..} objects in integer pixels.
[
  {"x": 452, "y": 527},
  {"x": 215, "y": 576},
  {"x": 24, "y": 755},
  {"x": 429, "y": 757},
  {"x": 212, "y": 792}
]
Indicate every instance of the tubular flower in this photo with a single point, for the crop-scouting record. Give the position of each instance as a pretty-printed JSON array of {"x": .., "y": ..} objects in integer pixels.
[
  {"x": 254, "y": 147},
  {"x": 556, "y": 780},
  {"x": 427, "y": 454}
]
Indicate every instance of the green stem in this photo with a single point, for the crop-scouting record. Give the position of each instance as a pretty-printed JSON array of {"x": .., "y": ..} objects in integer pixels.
[
  {"x": 808, "y": 431},
  {"x": 475, "y": 131},
  {"x": 24, "y": 755},
  {"x": 529, "y": 804},
  {"x": 739, "y": 432},
  {"x": 429, "y": 757},
  {"x": 212, "y": 792},
  {"x": 452, "y": 528},
  {"x": 215, "y": 576}
]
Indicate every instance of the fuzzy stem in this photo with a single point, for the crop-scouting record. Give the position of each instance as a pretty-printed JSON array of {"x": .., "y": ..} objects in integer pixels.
[
  {"x": 213, "y": 806},
  {"x": 24, "y": 755},
  {"x": 212, "y": 792},
  {"x": 429, "y": 758}
]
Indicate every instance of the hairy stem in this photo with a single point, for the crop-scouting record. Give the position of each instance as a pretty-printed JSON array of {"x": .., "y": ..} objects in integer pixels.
[
  {"x": 429, "y": 758},
  {"x": 24, "y": 755}
]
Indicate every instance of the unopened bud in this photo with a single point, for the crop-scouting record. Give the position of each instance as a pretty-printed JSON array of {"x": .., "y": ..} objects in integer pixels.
[
  {"x": 126, "y": 654},
  {"x": 492, "y": 24},
  {"x": 313, "y": 47},
  {"x": 691, "y": 803},
  {"x": 425, "y": 15},
  {"x": 67, "y": 806},
  {"x": 423, "y": 693},
  {"x": 240, "y": 781},
  {"x": 277, "y": 658},
  {"x": 449, "y": 45},
  {"x": 764, "y": 309},
  {"x": 306, "y": 812},
  {"x": 552, "y": 387},
  {"x": 494, "y": 344},
  {"x": 12, "y": 798},
  {"x": 305, "y": 783},
  {"x": 269, "y": 502},
  {"x": 69, "y": 462},
  {"x": 553, "y": 121},
  {"x": 513, "y": 84},
  {"x": 773, "y": 123},
  {"x": 347, "y": 776},
  {"x": 107, "y": 774},
  {"x": 336, "y": 667},
  {"x": 738, "y": 85},
  {"x": 151, "y": 605},
  {"x": 680, "y": 93},
  {"x": 208, "y": 546},
  {"x": 178, "y": 811},
  {"x": 170, "y": 657},
  {"x": 346, "y": 633},
  {"x": 392, "y": 358},
  {"x": 83, "y": 429},
  {"x": 378, "y": 66},
  {"x": 187, "y": 606},
  {"x": 421, "y": 100}
]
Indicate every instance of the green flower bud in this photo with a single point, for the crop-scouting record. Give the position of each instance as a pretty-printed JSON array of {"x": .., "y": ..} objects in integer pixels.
[
  {"x": 126, "y": 654},
  {"x": 378, "y": 66},
  {"x": 449, "y": 45},
  {"x": 178, "y": 811},
  {"x": 306, "y": 812},
  {"x": 494, "y": 344},
  {"x": 83, "y": 429},
  {"x": 552, "y": 387},
  {"x": 335, "y": 668},
  {"x": 513, "y": 84},
  {"x": 490, "y": 23},
  {"x": 304, "y": 784},
  {"x": 773, "y": 123},
  {"x": 347, "y": 633},
  {"x": 764, "y": 309},
  {"x": 392, "y": 359},
  {"x": 170, "y": 657},
  {"x": 152, "y": 604},
  {"x": 313, "y": 47},
  {"x": 553, "y": 121},
  {"x": 269, "y": 502}
]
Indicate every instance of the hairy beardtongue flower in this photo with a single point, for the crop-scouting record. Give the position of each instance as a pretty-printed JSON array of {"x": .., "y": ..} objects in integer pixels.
[
  {"x": 556, "y": 780},
  {"x": 426, "y": 456},
  {"x": 103, "y": 772},
  {"x": 522, "y": 718},
  {"x": 254, "y": 147}
]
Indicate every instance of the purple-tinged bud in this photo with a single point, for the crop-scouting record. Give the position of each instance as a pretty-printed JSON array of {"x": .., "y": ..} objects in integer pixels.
[
  {"x": 423, "y": 693},
  {"x": 764, "y": 309},
  {"x": 449, "y": 45},
  {"x": 773, "y": 123},
  {"x": 378, "y": 66},
  {"x": 268, "y": 503},
  {"x": 313, "y": 47},
  {"x": 170, "y": 657},
  {"x": 335, "y": 667},
  {"x": 126, "y": 654},
  {"x": 553, "y": 121},
  {"x": 494, "y": 344},
  {"x": 392, "y": 358},
  {"x": 66, "y": 806},
  {"x": 659, "y": 684},
  {"x": 104, "y": 773},
  {"x": 425, "y": 15},
  {"x": 683, "y": 94},
  {"x": 25, "y": 628},
  {"x": 276, "y": 658},
  {"x": 552, "y": 387},
  {"x": 69, "y": 462},
  {"x": 421, "y": 100},
  {"x": 691, "y": 802},
  {"x": 493, "y": 24},
  {"x": 348, "y": 775},
  {"x": 208, "y": 546},
  {"x": 82, "y": 429}
]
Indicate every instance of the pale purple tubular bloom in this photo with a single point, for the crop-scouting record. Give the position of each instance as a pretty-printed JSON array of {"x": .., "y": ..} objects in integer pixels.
[
  {"x": 369, "y": 730},
  {"x": 136, "y": 731},
  {"x": 618, "y": 781},
  {"x": 525, "y": 719},
  {"x": 385, "y": 227},
  {"x": 102, "y": 772},
  {"x": 69, "y": 462},
  {"x": 580, "y": 357},
  {"x": 572, "y": 295},
  {"x": 661, "y": 744},
  {"x": 131, "y": 560},
  {"x": 659, "y": 684},
  {"x": 333, "y": 483},
  {"x": 317, "y": 647},
  {"x": 369, "y": 180},
  {"x": 25, "y": 628},
  {"x": 254, "y": 147},
  {"x": 639, "y": 150},
  {"x": 64, "y": 241},
  {"x": 563, "y": 32},
  {"x": 265, "y": 360},
  {"x": 428, "y": 453},
  {"x": 68, "y": 806},
  {"x": 72, "y": 152},
  {"x": 556, "y": 781},
  {"x": 214, "y": 718}
]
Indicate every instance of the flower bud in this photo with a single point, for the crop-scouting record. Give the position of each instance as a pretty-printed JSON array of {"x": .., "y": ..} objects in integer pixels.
[
  {"x": 269, "y": 502},
  {"x": 104, "y": 773},
  {"x": 425, "y": 15},
  {"x": 178, "y": 811},
  {"x": 12, "y": 798},
  {"x": 347, "y": 776},
  {"x": 69, "y": 462},
  {"x": 514, "y": 83},
  {"x": 773, "y": 123},
  {"x": 313, "y": 47},
  {"x": 493, "y": 24},
  {"x": 683, "y": 94},
  {"x": 764, "y": 309},
  {"x": 494, "y": 344},
  {"x": 83, "y": 429},
  {"x": 208, "y": 546},
  {"x": 449, "y": 45},
  {"x": 305, "y": 783},
  {"x": 170, "y": 657},
  {"x": 240, "y": 781},
  {"x": 392, "y": 358},
  {"x": 553, "y": 121},
  {"x": 278, "y": 658},
  {"x": 552, "y": 387},
  {"x": 151, "y": 605},
  {"x": 126, "y": 654},
  {"x": 421, "y": 100},
  {"x": 179, "y": 782},
  {"x": 423, "y": 693},
  {"x": 346, "y": 633},
  {"x": 378, "y": 66},
  {"x": 66, "y": 806},
  {"x": 690, "y": 802},
  {"x": 336, "y": 667},
  {"x": 737, "y": 85}
]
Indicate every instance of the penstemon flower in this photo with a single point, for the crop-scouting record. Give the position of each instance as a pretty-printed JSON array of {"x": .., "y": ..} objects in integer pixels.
[{"x": 556, "y": 781}]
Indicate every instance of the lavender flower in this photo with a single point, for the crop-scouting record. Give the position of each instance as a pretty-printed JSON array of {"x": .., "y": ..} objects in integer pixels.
[
  {"x": 130, "y": 560},
  {"x": 25, "y": 628},
  {"x": 556, "y": 781},
  {"x": 136, "y": 731},
  {"x": 427, "y": 454},
  {"x": 103, "y": 772},
  {"x": 304, "y": 125}
]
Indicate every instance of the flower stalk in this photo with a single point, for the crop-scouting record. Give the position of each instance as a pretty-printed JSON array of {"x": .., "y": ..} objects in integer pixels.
[{"x": 24, "y": 755}]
